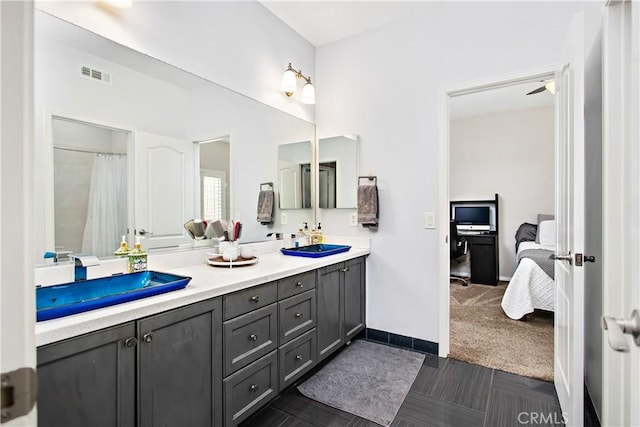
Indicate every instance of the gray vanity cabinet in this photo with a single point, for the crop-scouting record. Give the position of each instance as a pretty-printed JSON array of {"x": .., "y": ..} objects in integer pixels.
[
  {"x": 180, "y": 371},
  {"x": 341, "y": 304},
  {"x": 160, "y": 370},
  {"x": 89, "y": 380}
]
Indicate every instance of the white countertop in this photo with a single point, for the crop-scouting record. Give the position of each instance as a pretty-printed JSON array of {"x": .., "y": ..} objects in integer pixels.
[{"x": 207, "y": 282}]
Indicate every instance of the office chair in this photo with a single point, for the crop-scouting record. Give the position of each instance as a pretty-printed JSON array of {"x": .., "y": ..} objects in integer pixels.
[{"x": 457, "y": 248}]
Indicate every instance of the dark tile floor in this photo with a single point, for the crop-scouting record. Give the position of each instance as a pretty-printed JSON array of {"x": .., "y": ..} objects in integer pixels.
[{"x": 446, "y": 392}]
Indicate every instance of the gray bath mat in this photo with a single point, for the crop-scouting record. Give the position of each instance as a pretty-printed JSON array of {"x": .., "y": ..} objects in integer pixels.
[{"x": 366, "y": 379}]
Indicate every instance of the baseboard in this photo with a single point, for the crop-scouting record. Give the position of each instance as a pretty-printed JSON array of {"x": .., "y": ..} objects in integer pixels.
[{"x": 402, "y": 341}]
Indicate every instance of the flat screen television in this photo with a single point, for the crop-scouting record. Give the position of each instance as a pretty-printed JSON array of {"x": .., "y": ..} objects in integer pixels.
[{"x": 472, "y": 217}]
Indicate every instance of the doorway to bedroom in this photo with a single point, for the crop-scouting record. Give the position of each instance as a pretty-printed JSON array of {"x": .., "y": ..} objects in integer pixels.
[{"x": 501, "y": 142}]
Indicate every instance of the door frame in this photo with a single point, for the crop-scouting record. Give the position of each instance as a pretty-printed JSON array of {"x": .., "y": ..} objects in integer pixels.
[{"x": 445, "y": 95}]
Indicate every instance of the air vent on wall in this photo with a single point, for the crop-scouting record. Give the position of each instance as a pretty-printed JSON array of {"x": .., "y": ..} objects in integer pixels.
[{"x": 92, "y": 73}]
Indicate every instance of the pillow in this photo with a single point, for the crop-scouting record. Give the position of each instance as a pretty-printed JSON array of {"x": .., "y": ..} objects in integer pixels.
[
  {"x": 547, "y": 233},
  {"x": 526, "y": 233},
  {"x": 543, "y": 217}
]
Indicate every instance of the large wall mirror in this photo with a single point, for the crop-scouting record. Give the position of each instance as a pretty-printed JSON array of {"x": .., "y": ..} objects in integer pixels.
[
  {"x": 294, "y": 175},
  {"x": 338, "y": 172},
  {"x": 186, "y": 147}
]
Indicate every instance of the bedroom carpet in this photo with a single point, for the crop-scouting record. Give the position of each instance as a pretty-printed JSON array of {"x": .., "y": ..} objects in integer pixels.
[{"x": 482, "y": 334}]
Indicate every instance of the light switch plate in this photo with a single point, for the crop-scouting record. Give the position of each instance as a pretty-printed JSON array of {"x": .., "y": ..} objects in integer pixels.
[
  {"x": 283, "y": 218},
  {"x": 429, "y": 220},
  {"x": 353, "y": 219}
]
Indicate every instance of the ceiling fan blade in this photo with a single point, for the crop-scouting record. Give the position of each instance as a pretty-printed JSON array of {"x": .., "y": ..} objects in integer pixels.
[{"x": 540, "y": 89}]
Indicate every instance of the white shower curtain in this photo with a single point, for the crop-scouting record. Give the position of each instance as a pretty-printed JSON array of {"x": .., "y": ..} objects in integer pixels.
[{"x": 107, "y": 210}]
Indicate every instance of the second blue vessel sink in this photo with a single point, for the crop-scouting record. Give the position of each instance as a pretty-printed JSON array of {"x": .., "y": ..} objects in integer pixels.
[
  {"x": 315, "y": 251},
  {"x": 77, "y": 297}
]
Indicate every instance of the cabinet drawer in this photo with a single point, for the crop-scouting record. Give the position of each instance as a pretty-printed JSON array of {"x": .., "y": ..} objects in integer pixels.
[
  {"x": 297, "y": 315},
  {"x": 296, "y": 358},
  {"x": 250, "y": 388},
  {"x": 247, "y": 300},
  {"x": 297, "y": 284},
  {"x": 249, "y": 337}
]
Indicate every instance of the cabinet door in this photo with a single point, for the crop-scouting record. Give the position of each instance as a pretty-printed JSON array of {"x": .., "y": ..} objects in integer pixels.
[
  {"x": 89, "y": 380},
  {"x": 354, "y": 297},
  {"x": 330, "y": 311},
  {"x": 180, "y": 366}
]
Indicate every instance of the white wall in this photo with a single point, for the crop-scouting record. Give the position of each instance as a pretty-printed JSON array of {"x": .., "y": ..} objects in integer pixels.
[
  {"x": 511, "y": 154},
  {"x": 385, "y": 86},
  {"x": 239, "y": 45}
]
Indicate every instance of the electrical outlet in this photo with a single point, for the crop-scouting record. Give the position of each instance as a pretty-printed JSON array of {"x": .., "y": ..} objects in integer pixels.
[
  {"x": 283, "y": 218},
  {"x": 429, "y": 220},
  {"x": 353, "y": 219}
]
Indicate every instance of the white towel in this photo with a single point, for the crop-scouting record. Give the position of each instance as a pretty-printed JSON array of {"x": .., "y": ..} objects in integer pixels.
[
  {"x": 265, "y": 206},
  {"x": 368, "y": 205}
]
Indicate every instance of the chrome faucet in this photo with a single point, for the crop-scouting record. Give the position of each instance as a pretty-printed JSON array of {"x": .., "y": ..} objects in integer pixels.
[{"x": 81, "y": 264}]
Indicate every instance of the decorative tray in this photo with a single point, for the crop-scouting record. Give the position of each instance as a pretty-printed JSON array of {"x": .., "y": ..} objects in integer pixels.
[{"x": 218, "y": 261}]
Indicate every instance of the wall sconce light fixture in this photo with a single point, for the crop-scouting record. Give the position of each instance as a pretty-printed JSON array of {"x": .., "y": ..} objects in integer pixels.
[{"x": 288, "y": 85}]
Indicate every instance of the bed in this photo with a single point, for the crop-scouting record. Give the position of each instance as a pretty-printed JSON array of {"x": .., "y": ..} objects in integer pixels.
[{"x": 532, "y": 285}]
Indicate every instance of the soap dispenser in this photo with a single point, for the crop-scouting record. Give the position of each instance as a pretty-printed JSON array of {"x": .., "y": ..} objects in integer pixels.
[
  {"x": 123, "y": 250},
  {"x": 137, "y": 258}
]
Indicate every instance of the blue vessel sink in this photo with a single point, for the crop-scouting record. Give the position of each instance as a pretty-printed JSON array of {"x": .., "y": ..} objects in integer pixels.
[
  {"x": 315, "y": 251},
  {"x": 76, "y": 297}
]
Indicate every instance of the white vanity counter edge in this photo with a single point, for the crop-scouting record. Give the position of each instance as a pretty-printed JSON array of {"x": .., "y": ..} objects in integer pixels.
[{"x": 207, "y": 282}]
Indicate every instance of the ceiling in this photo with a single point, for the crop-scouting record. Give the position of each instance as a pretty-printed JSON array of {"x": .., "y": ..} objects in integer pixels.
[{"x": 324, "y": 22}]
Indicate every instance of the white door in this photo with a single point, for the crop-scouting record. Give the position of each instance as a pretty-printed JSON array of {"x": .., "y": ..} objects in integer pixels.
[
  {"x": 569, "y": 313},
  {"x": 621, "y": 209},
  {"x": 164, "y": 180},
  {"x": 17, "y": 290}
]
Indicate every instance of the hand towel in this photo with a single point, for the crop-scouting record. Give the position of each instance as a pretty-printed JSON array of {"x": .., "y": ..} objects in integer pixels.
[
  {"x": 265, "y": 206},
  {"x": 368, "y": 205}
]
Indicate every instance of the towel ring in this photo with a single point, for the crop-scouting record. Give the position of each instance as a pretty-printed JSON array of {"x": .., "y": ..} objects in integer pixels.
[{"x": 370, "y": 180}]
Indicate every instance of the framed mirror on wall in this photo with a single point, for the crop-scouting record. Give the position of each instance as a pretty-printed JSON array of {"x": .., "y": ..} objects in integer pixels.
[
  {"x": 338, "y": 172},
  {"x": 82, "y": 77}
]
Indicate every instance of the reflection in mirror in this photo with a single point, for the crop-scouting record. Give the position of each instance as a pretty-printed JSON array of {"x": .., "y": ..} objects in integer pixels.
[
  {"x": 294, "y": 174},
  {"x": 214, "y": 179},
  {"x": 90, "y": 186},
  {"x": 166, "y": 109},
  {"x": 337, "y": 172}
]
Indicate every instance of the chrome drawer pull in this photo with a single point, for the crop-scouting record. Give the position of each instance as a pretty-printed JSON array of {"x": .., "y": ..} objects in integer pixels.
[
  {"x": 255, "y": 298},
  {"x": 254, "y": 388},
  {"x": 298, "y": 357},
  {"x": 298, "y": 315},
  {"x": 253, "y": 337},
  {"x": 300, "y": 284}
]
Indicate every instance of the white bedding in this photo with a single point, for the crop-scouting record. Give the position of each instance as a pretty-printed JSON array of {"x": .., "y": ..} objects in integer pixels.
[{"x": 530, "y": 288}]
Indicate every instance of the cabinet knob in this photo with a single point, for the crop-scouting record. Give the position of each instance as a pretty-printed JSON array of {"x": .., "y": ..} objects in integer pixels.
[
  {"x": 298, "y": 357},
  {"x": 255, "y": 298},
  {"x": 300, "y": 284},
  {"x": 131, "y": 342},
  {"x": 254, "y": 387},
  {"x": 253, "y": 337},
  {"x": 298, "y": 315},
  {"x": 147, "y": 337}
]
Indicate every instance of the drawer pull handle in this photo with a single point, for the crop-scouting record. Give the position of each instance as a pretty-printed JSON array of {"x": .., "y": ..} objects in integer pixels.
[
  {"x": 147, "y": 337},
  {"x": 131, "y": 342},
  {"x": 254, "y": 387},
  {"x": 300, "y": 284},
  {"x": 298, "y": 357},
  {"x": 255, "y": 298},
  {"x": 254, "y": 337},
  {"x": 298, "y": 315}
]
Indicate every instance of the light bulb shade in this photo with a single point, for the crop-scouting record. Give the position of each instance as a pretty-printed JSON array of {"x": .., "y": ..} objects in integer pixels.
[
  {"x": 288, "y": 81},
  {"x": 551, "y": 87},
  {"x": 308, "y": 95}
]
